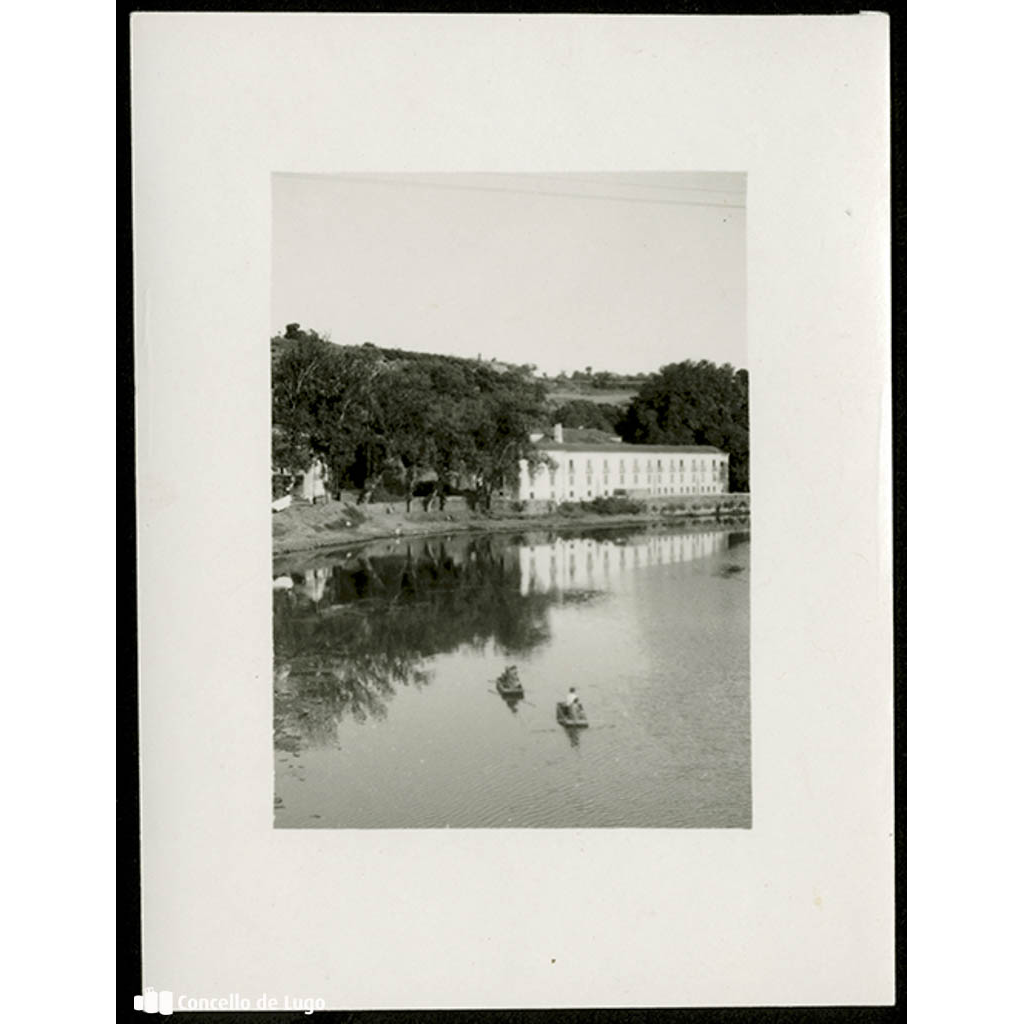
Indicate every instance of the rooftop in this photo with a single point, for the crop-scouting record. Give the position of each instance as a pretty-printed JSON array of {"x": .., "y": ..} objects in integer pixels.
[
  {"x": 604, "y": 446},
  {"x": 591, "y": 440},
  {"x": 589, "y": 435}
]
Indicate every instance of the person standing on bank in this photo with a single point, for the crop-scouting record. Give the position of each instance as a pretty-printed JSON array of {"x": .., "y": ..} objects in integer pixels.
[{"x": 319, "y": 491}]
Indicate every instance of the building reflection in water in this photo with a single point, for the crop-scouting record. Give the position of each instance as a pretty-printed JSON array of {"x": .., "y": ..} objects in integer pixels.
[
  {"x": 313, "y": 584},
  {"x": 586, "y": 563},
  {"x": 349, "y": 635}
]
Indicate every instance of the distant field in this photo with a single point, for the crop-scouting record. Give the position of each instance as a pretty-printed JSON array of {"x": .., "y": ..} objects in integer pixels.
[{"x": 599, "y": 397}]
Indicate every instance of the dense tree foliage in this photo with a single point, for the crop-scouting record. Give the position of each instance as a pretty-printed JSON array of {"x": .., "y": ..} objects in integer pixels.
[
  {"x": 368, "y": 412},
  {"x": 579, "y": 412},
  {"x": 323, "y": 402},
  {"x": 695, "y": 403},
  {"x": 419, "y": 420}
]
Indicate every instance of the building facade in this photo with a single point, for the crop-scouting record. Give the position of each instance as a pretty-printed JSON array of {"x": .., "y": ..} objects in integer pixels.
[{"x": 585, "y": 466}]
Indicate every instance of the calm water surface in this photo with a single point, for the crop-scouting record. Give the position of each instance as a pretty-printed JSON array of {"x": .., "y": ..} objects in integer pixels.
[{"x": 385, "y": 713}]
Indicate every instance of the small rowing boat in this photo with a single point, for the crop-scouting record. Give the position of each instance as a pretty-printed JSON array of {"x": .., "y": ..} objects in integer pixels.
[
  {"x": 571, "y": 716},
  {"x": 508, "y": 685}
]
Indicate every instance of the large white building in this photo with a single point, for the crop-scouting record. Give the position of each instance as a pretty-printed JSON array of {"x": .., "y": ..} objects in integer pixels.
[{"x": 587, "y": 465}]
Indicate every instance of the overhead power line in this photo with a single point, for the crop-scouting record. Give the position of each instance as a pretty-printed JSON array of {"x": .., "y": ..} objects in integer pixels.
[
  {"x": 410, "y": 183},
  {"x": 670, "y": 188}
]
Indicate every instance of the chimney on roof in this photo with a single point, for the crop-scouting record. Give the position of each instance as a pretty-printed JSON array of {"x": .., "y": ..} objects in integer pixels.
[{"x": 559, "y": 437}]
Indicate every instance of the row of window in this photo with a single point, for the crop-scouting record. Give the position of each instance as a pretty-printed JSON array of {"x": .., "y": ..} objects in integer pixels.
[
  {"x": 651, "y": 477},
  {"x": 695, "y": 464},
  {"x": 657, "y": 490}
]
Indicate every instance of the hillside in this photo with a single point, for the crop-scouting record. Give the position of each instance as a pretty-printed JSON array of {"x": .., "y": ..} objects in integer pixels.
[
  {"x": 561, "y": 395},
  {"x": 600, "y": 388},
  {"x": 390, "y": 418}
]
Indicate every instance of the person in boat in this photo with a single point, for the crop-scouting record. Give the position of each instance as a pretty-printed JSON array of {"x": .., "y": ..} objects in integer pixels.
[
  {"x": 510, "y": 677},
  {"x": 572, "y": 702}
]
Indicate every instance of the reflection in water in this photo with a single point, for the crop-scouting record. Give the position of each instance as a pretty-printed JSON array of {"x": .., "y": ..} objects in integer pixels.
[
  {"x": 573, "y": 734},
  {"x": 592, "y": 563},
  {"x": 347, "y": 635},
  {"x": 441, "y": 616},
  {"x": 511, "y": 700}
]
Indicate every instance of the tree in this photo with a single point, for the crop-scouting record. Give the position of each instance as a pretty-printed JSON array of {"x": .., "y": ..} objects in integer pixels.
[
  {"x": 298, "y": 375},
  {"x": 695, "y": 403},
  {"x": 579, "y": 412},
  {"x": 369, "y": 412},
  {"x": 500, "y": 413},
  {"x": 404, "y": 402},
  {"x": 321, "y": 401},
  {"x": 449, "y": 425}
]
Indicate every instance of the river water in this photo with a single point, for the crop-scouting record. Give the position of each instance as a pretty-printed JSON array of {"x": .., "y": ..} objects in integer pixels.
[{"x": 386, "y": 716}]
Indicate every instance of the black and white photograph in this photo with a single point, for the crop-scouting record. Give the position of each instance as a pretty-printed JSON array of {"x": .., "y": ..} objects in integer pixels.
[
  {"x": 514, "y": 511},
  {"x": 511, "y": 509}
]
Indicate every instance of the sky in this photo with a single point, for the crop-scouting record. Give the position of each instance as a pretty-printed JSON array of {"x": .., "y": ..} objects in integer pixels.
[{"x": 619, "y": 272}]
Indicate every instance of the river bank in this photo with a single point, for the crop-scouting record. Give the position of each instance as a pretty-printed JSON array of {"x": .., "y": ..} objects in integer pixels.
[{"x": 340, "y": 524}]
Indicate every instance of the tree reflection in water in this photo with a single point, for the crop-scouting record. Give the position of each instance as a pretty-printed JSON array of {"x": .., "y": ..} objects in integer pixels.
[{"x": 348, "y": 635}]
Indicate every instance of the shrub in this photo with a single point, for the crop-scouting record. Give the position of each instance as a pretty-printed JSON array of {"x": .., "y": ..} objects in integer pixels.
[{"x": 614, "y": 506}]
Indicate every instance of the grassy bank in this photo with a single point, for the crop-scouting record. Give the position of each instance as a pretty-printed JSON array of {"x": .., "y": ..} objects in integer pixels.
[{"x": 338, "y": 524}]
